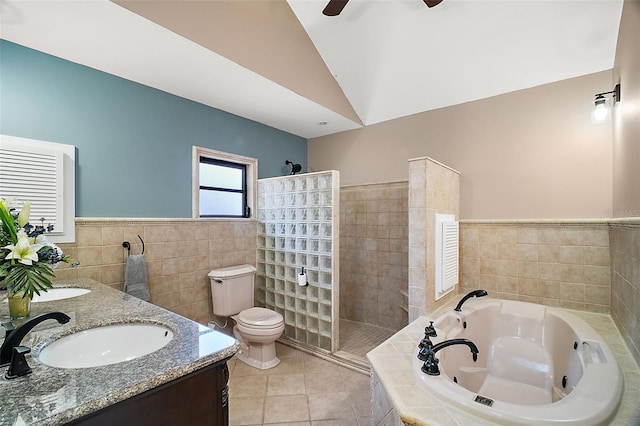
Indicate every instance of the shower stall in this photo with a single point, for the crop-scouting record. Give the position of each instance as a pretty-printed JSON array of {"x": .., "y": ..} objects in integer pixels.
[
  {"x": 351, "y": 243},
  {"x": 298, "y": 229}
]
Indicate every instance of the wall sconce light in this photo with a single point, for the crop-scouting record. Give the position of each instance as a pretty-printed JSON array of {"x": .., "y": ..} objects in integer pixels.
[
  {"x": 601, "y": 111},
  {"x": 295, "y": 168}
]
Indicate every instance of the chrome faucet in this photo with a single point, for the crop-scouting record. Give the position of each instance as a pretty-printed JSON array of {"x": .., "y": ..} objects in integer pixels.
[
  {"x": 430, "y": 365},
  {"x": 474, "y": 293},
  {"x": 14, "y": 337}
]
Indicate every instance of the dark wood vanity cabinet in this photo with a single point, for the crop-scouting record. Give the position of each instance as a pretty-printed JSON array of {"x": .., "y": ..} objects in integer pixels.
[{"x": 199, "y": 398}]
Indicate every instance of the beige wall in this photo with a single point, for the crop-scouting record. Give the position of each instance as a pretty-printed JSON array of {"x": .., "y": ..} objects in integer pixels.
[
  {"x": 625, "y": 236},
  {"x": 373, "y": 254},
  {"x": 433, "y": 189},
  {"x": 179, "y": 255},
  {"x": 533, "y": 153},
  {"x": 626, "y": 129}
]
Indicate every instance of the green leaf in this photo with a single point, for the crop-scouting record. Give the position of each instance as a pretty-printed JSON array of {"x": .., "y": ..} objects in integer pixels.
[{"x": 29, "y": 279}]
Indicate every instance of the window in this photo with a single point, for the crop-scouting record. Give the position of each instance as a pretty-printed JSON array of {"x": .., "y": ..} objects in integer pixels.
[
  {"x": 42, "y": 173},
  {"x": 223, "y": 184}
]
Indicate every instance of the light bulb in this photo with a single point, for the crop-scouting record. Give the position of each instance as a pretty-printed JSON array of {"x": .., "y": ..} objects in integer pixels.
[{"x": 600, "y": 112}]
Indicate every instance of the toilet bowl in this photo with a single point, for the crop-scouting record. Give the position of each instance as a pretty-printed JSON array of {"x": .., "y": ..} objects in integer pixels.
[{"x": 255, "y": 328}]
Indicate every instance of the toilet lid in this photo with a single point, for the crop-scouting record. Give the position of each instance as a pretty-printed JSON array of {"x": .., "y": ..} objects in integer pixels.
[{"x": 259, "y": 317}]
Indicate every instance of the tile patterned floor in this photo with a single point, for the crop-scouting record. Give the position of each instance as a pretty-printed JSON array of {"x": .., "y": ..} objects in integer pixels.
[
  {"x": 301, "y": 390},
  {"x": 359, "y": 338}
]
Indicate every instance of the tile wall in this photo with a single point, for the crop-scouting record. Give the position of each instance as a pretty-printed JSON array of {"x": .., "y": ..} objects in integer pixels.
[
  {"x": 433, "y": 189},
  {"x": 374, "y": 254},
  {"x": 564, "y": 264},
  {"x": 625, "y": 285},
  {"x": 179, "y": 254}
]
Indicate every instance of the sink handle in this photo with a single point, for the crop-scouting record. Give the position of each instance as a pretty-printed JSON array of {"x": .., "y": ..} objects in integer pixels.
[
  {"x": 8, "y": 329},
  {"x": 18, "y": 366}
]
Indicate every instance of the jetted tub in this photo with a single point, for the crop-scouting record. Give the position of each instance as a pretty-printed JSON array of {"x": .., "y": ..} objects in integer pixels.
[{"x": 536, "y": 365}]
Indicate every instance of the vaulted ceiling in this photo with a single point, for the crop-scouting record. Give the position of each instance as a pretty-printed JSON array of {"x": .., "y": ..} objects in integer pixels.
[{"x": 288, "y": 66}]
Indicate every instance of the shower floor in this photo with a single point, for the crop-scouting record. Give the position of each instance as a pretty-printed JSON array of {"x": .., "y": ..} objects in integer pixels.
[{"x": 357, "y": 338}]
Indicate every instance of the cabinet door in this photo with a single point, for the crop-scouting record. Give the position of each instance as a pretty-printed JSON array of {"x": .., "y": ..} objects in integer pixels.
[{"x": 200, "y": 398}]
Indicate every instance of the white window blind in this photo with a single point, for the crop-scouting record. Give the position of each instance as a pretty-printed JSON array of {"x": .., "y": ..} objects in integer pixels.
[
  {"x": 35, "y": 177},
  {"x": 43, "y": 174}
]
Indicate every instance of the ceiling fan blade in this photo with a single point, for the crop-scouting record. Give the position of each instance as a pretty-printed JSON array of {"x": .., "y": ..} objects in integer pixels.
[
  {"x": 334, "y": 7},
  {"x": 432, "y": 3}
]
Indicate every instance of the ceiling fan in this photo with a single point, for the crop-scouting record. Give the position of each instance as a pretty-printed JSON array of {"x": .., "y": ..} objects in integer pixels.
[{"x": 334, "y": 7}]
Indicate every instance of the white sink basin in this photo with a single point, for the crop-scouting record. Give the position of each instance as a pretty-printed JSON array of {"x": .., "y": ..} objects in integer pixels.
[
  {"x": 59, "y": 294},
  {"x": 105, "y": 345}
]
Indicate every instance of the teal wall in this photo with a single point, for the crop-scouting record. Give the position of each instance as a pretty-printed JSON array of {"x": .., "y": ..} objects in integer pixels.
[{"x": 133, "y": 142}]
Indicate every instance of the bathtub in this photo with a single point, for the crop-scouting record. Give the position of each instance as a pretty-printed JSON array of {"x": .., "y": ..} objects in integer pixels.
[{"x": 536, "y": 365}]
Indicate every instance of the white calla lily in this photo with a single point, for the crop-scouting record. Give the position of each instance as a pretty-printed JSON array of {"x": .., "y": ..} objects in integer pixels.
[
  {"x": 23, "y": 216},
  {"x": 23, "y": 251}
]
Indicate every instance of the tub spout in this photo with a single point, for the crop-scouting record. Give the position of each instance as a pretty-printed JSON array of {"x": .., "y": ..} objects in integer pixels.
[
  {"x": 474, "y": 293},
  {"x": 430, "y": 365}
]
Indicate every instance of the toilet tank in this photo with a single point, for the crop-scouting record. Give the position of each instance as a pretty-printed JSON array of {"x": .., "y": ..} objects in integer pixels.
[{"x": 232, "y": 289}]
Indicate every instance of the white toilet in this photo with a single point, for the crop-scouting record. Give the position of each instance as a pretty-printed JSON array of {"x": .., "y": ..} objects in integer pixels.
[{"x": 257, "y": 329}]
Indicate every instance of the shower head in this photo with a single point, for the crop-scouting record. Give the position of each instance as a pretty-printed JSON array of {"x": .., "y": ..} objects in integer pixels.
[{"x": 295, "y": 168}]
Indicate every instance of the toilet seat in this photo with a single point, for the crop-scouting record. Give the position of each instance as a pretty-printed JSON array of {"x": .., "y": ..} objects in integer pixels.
[{"x": 259, "y": 318}]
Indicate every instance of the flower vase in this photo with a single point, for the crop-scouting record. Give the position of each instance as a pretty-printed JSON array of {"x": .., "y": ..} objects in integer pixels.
[{"x": 19, "y": 304}]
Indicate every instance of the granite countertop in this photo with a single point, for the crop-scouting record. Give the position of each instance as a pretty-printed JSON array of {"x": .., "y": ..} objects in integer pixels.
[{"x": 52, "y": 396}]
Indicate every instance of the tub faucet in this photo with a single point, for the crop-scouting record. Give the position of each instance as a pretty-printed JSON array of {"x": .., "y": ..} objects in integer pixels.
[
  {"x": 474, "y": 293},
  {"x": 14, "y": 337},
  {"x": 425, "y": 344},
  {"x": 430, "y": 365}
]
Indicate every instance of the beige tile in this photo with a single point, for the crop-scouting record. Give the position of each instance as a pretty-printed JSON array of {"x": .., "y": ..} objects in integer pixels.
[
  {"x": 87, "y": 236},
  {"x": 322, "y": 383},
  {"x": 337, "y": 422},
  {"x": 90, "y": 255},
  {"x": 571, "y": 292},
  {"x": 527, "y": 269},
  {"x": 549, "y": 289},
  {"x": 572, "y": 255},
  {"x": 527, "y": 252},
  {"x": 549, "y": 271},
  {"x": 246, "y": 411},
  {"x": 286, "y": 384},
  {"x": 330, "y": 406},
  {"x": 246, "y": 386},
  {"x": 112, "y": 235},
  {"x": 112, "y": 274},
  {"x": 549, "y": 253},
  {"x": 572, "y": 273},
  {"x": 528, "y": 286},
  {"x": 286, "y": 408},
  {"x": 241, "y": 369},
  {"x": 113, "y": 254},
  {"x": 549, "y": 236},
  {"x": 527, "y": 235},
  {"x": 487, "y": 234},
  {"x": 597, "y": 256},
  {"x": 597, "y": 294},
  {"x": 316, "y": 365},
  {"x": 597, "y": 275}
]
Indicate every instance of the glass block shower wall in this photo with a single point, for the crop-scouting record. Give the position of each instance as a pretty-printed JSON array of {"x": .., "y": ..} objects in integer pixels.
[{"x": 298, "y": 227}]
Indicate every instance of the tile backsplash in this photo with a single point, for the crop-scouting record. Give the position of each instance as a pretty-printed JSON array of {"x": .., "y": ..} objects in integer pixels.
[
  {"x": 179, "y": 254},
  {"x": 554, "y": 263},
  {"x": 625, "y": 285}
]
